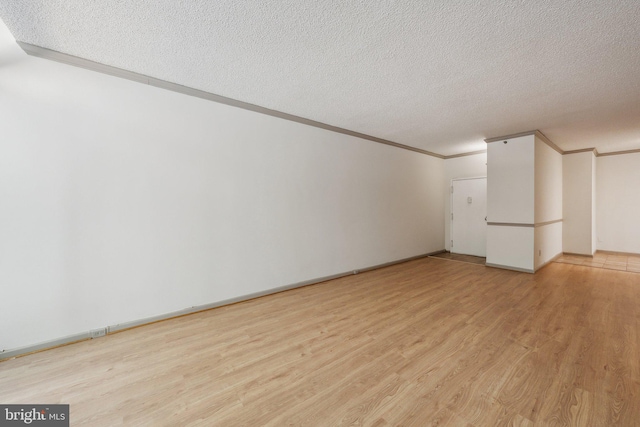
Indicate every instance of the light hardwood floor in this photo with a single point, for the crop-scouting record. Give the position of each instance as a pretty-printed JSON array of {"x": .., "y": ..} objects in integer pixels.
[{"x": 428, "y": 342}]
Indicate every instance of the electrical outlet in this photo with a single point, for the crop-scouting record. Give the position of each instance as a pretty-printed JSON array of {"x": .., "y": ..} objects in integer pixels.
[
  {"x": 97, "y": 333},
  {"x": 539, "y": 252}
]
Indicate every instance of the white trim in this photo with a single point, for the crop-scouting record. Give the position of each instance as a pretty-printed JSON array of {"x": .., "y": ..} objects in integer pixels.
[
  {"x": 505, "y": 267},
  {"x": 20, "y": 351},
  {"x": 64, "y": 58},
  {"x": 471, "y": 153}
]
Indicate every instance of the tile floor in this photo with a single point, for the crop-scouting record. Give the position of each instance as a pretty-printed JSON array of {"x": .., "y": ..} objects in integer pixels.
[
  {"x": 459, "y": 257},
  {"x": 604, "y": 260}
]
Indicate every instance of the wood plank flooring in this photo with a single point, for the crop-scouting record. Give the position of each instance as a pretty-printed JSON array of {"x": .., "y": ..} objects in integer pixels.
[{"x": 428, "y": 342}]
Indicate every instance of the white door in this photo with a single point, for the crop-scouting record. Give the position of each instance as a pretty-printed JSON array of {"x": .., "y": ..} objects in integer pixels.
[{"x": 469, "y": 216}]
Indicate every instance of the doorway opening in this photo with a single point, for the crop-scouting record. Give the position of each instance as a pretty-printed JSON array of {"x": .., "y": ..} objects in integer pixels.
[{"x": 469, "y": 259}]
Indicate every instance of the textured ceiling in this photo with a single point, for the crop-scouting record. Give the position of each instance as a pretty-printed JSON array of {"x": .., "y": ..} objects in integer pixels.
[{"x": 436, "y": 75}]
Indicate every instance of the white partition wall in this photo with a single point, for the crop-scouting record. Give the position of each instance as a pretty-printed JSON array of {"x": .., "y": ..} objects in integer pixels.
[
  {"x": 579, "y": 203},
  {"x": 618, "y": 192},
  {"x": 511, "y": 180},
  {"x": 547, "y": 243},
  {"x": 548, "y": 203},
  {"x": 510, "y": 203},
  {"x": 594, "y": 205},
  {"x": 524, "y": 202},
  {"x": 510, "y": 247}
]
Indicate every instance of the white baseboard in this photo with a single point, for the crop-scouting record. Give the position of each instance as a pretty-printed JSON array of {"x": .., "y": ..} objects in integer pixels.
[
  {"x": 7, "y": 354},
  {"x": 506, "y": 267}
]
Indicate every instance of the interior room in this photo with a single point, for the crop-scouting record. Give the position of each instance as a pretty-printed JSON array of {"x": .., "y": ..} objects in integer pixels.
[{"x": 321, "y": 213}]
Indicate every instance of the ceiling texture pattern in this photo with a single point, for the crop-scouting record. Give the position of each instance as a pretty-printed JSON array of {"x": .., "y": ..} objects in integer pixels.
[{"x": 436, "y": 75}]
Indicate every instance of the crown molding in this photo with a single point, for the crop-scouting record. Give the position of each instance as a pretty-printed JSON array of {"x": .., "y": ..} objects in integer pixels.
[
  {"x": 558, "y": 149},
  {"x": 41, "y": 52},
  {"x": 76, "y": 61},
  {"x": 617, "y": 153},
  {"x": 536, "y": 133},
  {"x": 583, "y": 150},
  {"x": 513, "y": 135},
  {"x": 471, "y": 153},
  {"x": 598, "y": 154},
  {"x": 547, "y": 141}
]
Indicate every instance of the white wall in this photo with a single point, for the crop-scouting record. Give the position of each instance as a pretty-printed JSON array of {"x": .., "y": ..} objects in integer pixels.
[
  {"x": 578, "y": 203},
  {"x": 510, "y": 180},
  {"x": 459, "y": 167},
  {"x": 548, "y": 243},
  {"x": 510, "y": 247},
  {"x": 524, "y": 188},
  {"x": 548, "y": 183},
  {"x": 618, "y": 202},
  {"x": 548, "y": 203},
  {"x": 510, "y": 200},
  {"x": 122, "y": 201},
  {"x": 594, "y": 204}
]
